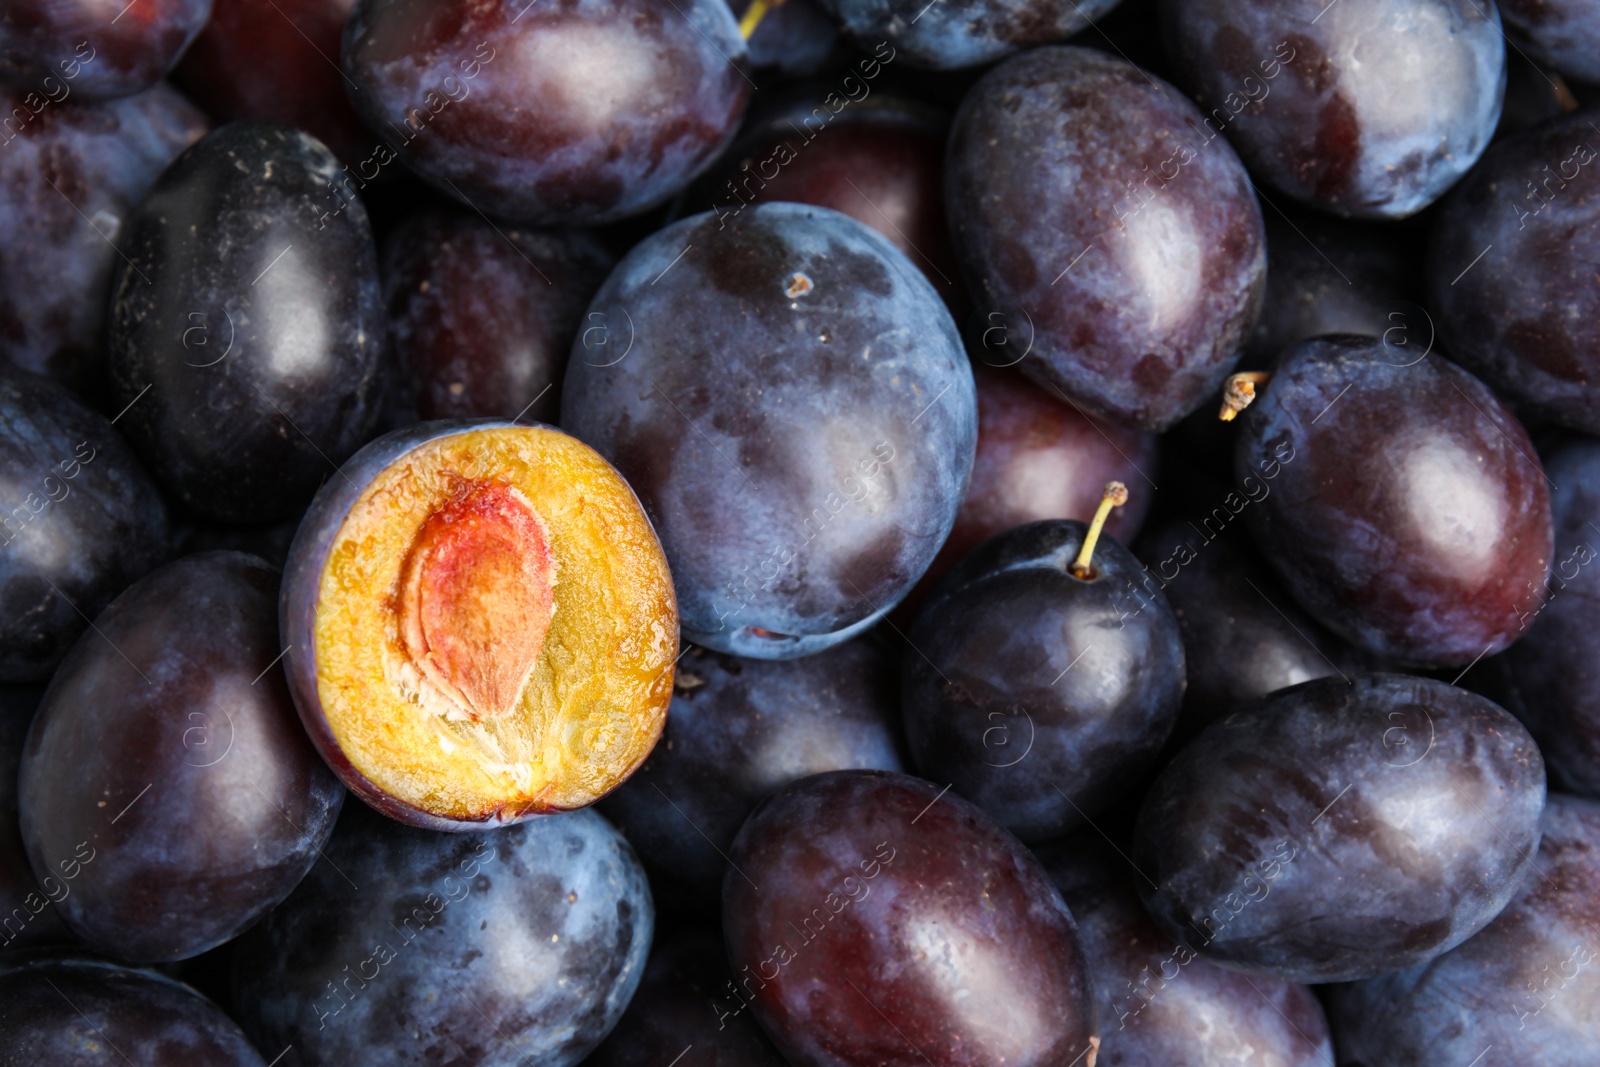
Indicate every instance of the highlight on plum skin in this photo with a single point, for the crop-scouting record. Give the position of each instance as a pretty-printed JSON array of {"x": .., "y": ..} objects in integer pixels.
[{"x": 480, "y": 624}]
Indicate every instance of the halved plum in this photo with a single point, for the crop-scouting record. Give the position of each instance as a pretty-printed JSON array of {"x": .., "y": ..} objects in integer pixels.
[{"x": 480, "y": 624}]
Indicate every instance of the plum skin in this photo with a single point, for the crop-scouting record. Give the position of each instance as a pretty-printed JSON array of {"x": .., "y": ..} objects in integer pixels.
[
  {"x": 1321, "y": 108},
  {"x": 1241, "y": 639},
  {"x": 1041, "y": 696},
  {"x": 482, "y": 317},
  {"x": 271, "y": 61},
  {"x": 1157, "y": 210},
  {"x": 779, "y": 549},
  {"x": 1152, "y": 992},
  {"x": 169, "y": 878},
  {"x": 85, "y": 522},
  {"x": 907, "y": 901},
  {"x": 1508, "y": 273},
  {"x": 1411, "y": 515},
  {"x": 69, "y": 1007},
  {"x": 1555, "y": 668},
  {"x": 739, "y": 729},
  {"x": 98, "y": 56},
  {"x": 247, "y": 324},
  {"x": 56, "y": 267},
  {"x": 412, "y": 947},
  {"x": 1280, "y": 841},
  {"x": 1507, "y": 988},
  {"x": 496, "y": 104},
  {"x": 955, "y": 34}
]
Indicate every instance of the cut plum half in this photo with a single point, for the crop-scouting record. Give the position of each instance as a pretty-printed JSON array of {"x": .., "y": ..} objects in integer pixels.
[{"x": 480, "y": 624}]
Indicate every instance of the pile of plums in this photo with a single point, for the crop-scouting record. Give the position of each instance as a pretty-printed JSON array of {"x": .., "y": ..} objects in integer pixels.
[{"x": 818, "y": 533}]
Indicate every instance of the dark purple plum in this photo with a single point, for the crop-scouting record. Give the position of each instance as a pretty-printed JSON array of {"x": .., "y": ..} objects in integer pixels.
[
  {"x": 873, "y": 919},
  {"x": 481, "y": 317},
  {"x": 1333, "y": 104},
  {"x": 101, "y": 50},
  {"x": 1510, "y": 276},
  {"x": 1563, "y": 33},
  {"x": 519, "y": 946},
  {"x": 72, "y": 1008},
  {"x": 167, "y": 766},
  {"x": 686, "y": 1000},
  {"x": 880, "y": 161},
  {"x": 790, "y": 400},
  {"x": 1133, "y": 294},
  {"x": 953, "y": 34},
  {"x": 247, "y": 324},
  {"x": 1243, "y": 636},
  {"x": 556, "y": 114},
  {"x": 1410, "y": 514},
  {"x": 1162, "y": 1006},
  {"x": 26, "y": 916},
  {"x": 1039, "y": 695},
  {"x": 1523, "y": 990},
  {"x": 795, "y": 39},
  {"x": 739, "y": 729},
  {"x": 1340, "y": 829},
  {"x": 1338, "y": 276},
  {"x": 1554, "y": 670},
  {"x": 279, "y": 61},
  {"x": 70, "y": 174},
  {"x": 82, "y": 522},
  {"x": 1039, "y": 457}
]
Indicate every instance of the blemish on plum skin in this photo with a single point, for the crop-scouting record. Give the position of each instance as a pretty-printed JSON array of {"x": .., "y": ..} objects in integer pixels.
[{"x": 799, "y": 285}]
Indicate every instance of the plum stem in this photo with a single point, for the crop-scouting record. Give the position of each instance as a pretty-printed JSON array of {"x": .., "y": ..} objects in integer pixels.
[
  {"x": 1239, "y": 390},
  {"x": 754, "y": 14},
  {"x": 1116, "y": 495}
]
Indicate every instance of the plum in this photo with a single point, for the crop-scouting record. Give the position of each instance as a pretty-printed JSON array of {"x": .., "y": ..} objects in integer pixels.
[
  {"x": 73, "y": 1008},
  {"x": 1555, "y": 668},
  {"x": 247, "y": 324},
  {"x": 27, "y": 918},
  {"x": 517, "y": 947},
  {"x": 576, "y": 113},
  {"x": 1368, "y": 108},
  {"x": 85, "y": 521},
  {"x": 166, "y": 775},
  {"x": 952, "y": 34},
  {"x": 479, "y": 624},
  {"x": 1339, "y": 829},
  {"x": 1243, "y": 636},
  {"x": 685, "y": 999},
  {"x": 872, "y": 918},
  {"x": 1040, "y": 694},
  {"x": 1169, "y": 1007},
  {"x": 1339, "y": 276},
  {"x": 792, "y": 39},
  {"x": 1563, "y": 33},
  {"x": 1410, "y": 513},
  {"x": 1133, "y": 294},
  {"x": 1509, "y": 274},
  {"x": 739, "y": 729},
  {"x": 789, "y": 398},
  {"x": 279, "y": 61},
  {"x": 1038, "y": 458},
  {"x": 482, "y": 317},
  {"x": 102, "y": 50},
  {"x": 1523, "y": 990},
  {"x": 70, "y": 175},
  {"x": 880, "y": 161}
]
